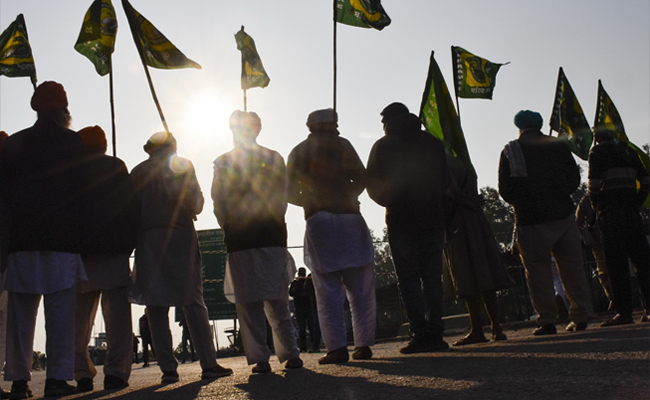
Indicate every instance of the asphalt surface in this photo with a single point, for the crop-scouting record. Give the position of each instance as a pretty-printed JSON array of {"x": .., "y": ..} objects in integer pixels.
[{"x": 599, "y": 363}]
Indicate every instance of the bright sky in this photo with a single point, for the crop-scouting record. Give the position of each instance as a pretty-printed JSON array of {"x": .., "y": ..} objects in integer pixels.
[{"x": 590, "y": 39}]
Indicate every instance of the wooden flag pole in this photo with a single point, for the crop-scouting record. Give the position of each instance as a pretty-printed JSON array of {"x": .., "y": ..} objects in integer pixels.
[
  {"x": 334, "y": 92},
  {"x": 245, "y": 105},
  {"x": 112, "y": 101}
]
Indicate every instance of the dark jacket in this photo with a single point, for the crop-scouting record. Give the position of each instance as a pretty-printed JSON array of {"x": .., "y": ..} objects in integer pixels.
[
  {"x": 41, "y": 183},
  {"x": 112, "y": 209},
  {"x": 545, "y": 194},
  {"x": 408, "y": 174},
  {"x": 614, "y": 170},
  {"x": 325, "y": 174},
  {"x": 249, "y": 194}
]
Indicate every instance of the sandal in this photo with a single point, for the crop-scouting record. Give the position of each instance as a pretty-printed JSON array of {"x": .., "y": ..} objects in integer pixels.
[{"x": 470, "y": 339}]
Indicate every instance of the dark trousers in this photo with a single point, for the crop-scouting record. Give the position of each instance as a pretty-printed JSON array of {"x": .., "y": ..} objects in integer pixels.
[
  {"x": 306, "y": 321},
  {"x": 417, "y": 256},
  {"x": 185, "y": 339},
  {"x": 623, "y": 239},
  {"x": 146, "y": 345}
]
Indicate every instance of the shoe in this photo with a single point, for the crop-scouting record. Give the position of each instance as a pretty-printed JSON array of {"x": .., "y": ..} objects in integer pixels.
[
  {"x": 419, "y": 345},
  {"x": 58, "y": 387},
  {"x": 169, "y": 377},
  {"x": 338, "y": 356},
  {"x": 293, "y": 363},
  {"x": 573, "y": 327},
  {"x": 548, "y": 329},
  {"x": 19, "y": 390},
  {"x": 471, "y": 339},
  {"x": 362, "y": 353},
  {"x": 85, "y": 385},
  {"x": 262, "y": 368},
  {"x": 498, "y": 336},
  {"x": 618, "y": 320},
  {"x": 314, "y": 350},
  {"x": 145, "y": 365},
  {"x": 112, "y": 382},
  {"x": 215, "y": 372}
]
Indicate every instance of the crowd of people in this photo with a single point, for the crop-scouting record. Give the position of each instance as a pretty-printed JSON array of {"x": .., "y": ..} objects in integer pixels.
[{"x": 71, "y": 216}]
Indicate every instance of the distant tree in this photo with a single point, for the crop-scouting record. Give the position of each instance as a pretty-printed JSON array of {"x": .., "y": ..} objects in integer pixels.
[
  {"x": 501, "y": 217},
  {"x": 384, "y": 270}
]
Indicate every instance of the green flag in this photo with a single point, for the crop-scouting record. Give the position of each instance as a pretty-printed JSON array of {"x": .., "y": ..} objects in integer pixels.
[
  {"x": 569, "y": 121},
  {"x": 362, "y": 13},
  {"x": 474, "y": 77},
  {"x": 156, "y": 50},
  {"x": 16, "y": 57},
  {"x": 97, "y": 37},
  {"x": 252, "y": 70},
  {"x": 439, "y": 117},
  {"x": 607, "y": 117}
]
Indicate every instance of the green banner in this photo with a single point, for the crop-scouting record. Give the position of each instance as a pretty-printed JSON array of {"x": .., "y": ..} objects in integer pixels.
[
  {"x": 157, "y": 51},
  {"x": 16, "y": 57},
  {"x": 362, "y": 13},
  {"x": 252, "y": 70},
  {"x": 213, "y": 261},
  {"x": 569, "y": 121},
  {"x": 97, "y": 37},
  {"x": 474, "y": 77},
  {"x": 439, "y": 117}
]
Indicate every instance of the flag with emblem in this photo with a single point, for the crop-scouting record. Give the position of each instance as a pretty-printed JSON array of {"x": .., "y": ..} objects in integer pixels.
[
  {"x": 362, "y": 13},
  {"x": 474, "y": 77},
  {"x": 252, "y": 70},
  {"x": 156, "y": 50},
  {"x": 569, "y": 121},
  {"x": 97, "y": 37},
  {"x": 16, "y": 57},
  {"x": 439, "y": 117}
]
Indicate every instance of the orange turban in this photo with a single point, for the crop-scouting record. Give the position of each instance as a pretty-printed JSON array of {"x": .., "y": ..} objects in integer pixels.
[
  {"x": 3, "y": 136},
  {"x": 49, "y": 96},
  {"x": 94, "y": 139}
]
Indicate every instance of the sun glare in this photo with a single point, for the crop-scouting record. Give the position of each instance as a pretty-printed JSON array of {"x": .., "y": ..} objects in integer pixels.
[{"x": 206, "y": 118}]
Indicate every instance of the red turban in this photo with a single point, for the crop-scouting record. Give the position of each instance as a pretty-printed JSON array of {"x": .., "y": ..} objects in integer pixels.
[
  {"x": 49, "y": 96},
  {"x": 3, "y": 136},
  {"x": 94, "y": 138}
]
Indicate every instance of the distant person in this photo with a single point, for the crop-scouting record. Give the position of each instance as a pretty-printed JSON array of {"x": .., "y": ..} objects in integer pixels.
[
  {"x": 408, "y": 174},
  {"x": 111, "y": 224},
  {"x": 136, "y": 343},
  {"x": 326, "y": 178},
  {"x": 250, "y": 200},
  {"x": 145, "y": 335},
  {"x": 167, "y": 261},
  {"x": 537, "y": 175},
  {"x": 472, "y": 254},
  {"x": 40, "y": 186},
  {"x": 186, "y": 340},
  {"x": 591, "y": 237},
  {"x": 614, "y": 171},
  {"x": 304, "y": 296}
]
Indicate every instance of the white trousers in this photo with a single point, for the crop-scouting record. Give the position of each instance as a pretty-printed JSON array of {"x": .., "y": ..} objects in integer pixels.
[
  {"x": 196, "y": 315},
  {"x": 358, "y": 284},
  {"x": 59, "y": 326},
  {"x": 116, "y": 310},
  {"x": 253, "y": 317}
]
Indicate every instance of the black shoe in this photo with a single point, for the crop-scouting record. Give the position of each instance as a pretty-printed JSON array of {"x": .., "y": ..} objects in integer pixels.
[
  {"x": 169, "y": 377},
  {"x": 112, "y": 382},
  {"x": 85, "y": 385},
  {"x": 262, "y": 367},
  {"x": 548, "y": 329},
  {"x": 573, "y": 327},
  {"x": 19, "y": 390},
  {"x": 58, "y": 387},
  {"x": 293, "y": 363},
  {"x": 618, "y": 320},
  {"x": 424, "y": 345},
  {"x": 362, "y": 353},
  {"x": 338, "y": 356},
  {"x": 215, "y": 372}
]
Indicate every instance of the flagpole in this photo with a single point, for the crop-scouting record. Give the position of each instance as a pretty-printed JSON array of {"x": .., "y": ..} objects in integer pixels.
[
  {"x": 146, "y": 72},
  {"x": 334, "y": 91},
  {"x": 110, "y": 82},
  {"x": 245, "y": 105}
]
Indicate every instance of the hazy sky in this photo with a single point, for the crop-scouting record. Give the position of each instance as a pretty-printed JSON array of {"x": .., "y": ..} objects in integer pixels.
[{"x": 590, "y": 39}]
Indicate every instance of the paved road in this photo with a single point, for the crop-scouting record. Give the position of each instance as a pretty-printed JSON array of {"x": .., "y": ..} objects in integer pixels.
[{"x": 599, "y": 363}]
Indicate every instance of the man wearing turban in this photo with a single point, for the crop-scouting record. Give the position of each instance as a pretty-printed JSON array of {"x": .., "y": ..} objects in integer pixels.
[
  {"x": 40, "y": 185},
  {"x": 537, "y": 175}
]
